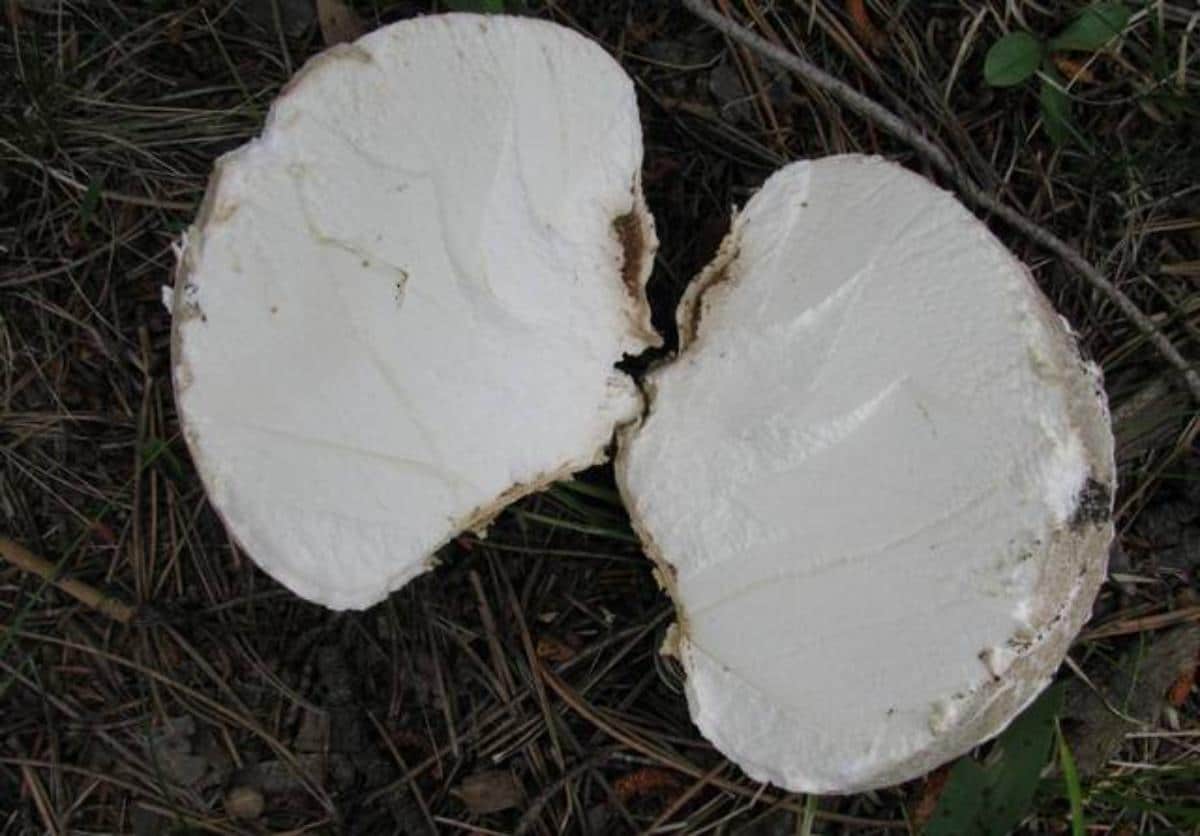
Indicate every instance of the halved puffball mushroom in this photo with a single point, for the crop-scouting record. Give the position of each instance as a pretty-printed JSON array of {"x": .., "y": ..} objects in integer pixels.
[
  {"x": 400, "y": 307},
  {"x": 876, "y": 481}
]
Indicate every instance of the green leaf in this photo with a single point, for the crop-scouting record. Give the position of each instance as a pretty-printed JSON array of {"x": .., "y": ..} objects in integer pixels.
[
  {"x": 1056, "y": 111},
  {"x": 991, "y": 797},
  {"x": 1012, "y": 59},
  {"x": 1071, "y": 778},
  {"x": 1096, "y": 25},
  {"x": 494, "y": 7}
]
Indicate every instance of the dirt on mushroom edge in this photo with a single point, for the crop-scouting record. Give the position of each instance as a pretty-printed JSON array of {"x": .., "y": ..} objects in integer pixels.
[
  {"x": 718, "y": 272},
  {"x": 637, "y": 241}
]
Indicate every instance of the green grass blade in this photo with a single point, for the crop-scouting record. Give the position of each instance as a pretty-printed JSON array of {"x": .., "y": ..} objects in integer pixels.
[{"x": 1071, "y": 778}]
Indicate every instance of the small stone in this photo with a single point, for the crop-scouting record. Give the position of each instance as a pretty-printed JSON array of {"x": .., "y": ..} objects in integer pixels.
[
  {"x": 244, "y": 803},
  {"x": 489, "y": 792}
]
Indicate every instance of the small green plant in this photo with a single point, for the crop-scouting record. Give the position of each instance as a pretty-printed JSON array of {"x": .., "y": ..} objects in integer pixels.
[
  {"x": 1016, "y": 58},
  {"x": 1071, "y": 779},
  {"x": 990, "y": 797}
]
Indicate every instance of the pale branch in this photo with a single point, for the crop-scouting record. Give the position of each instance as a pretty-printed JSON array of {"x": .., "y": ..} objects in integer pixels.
[
  {"x": 23, "y": 559},
  {"x": 869, "y": 109}
]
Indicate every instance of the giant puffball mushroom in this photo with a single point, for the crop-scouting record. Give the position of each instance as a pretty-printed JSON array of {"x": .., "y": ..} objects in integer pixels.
[
  {"x": 877, "y": 482},
  {"x": 399, "y": 308}
]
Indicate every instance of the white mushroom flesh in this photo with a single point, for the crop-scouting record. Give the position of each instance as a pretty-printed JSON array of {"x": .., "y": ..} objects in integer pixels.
[
  {"x": 401, "y": 306},
  {"x": 876, "y": 480}
]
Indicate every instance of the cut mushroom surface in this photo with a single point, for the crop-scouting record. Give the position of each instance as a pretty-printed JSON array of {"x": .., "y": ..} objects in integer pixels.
[
  {"x": 400, "y": 307},
  {"x": 877, "y": 481}
]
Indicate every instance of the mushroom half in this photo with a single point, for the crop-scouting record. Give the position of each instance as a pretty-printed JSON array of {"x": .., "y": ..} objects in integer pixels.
[
  {"x": 400, "y": 307},
  {"x": 877, "y": 481}
]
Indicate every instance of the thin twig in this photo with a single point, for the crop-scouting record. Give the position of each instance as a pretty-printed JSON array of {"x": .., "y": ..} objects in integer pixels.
[
  {"x": 22, "y": 558},
  {"x": 1141, "y": 625},
  {"x": 534, "y": 808},
  {"x": 684, "y": 797},
  {"x": 413, "y": 786},
  {"x": 898, "y": 127},
  {"x": 664, "y": 758}
]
